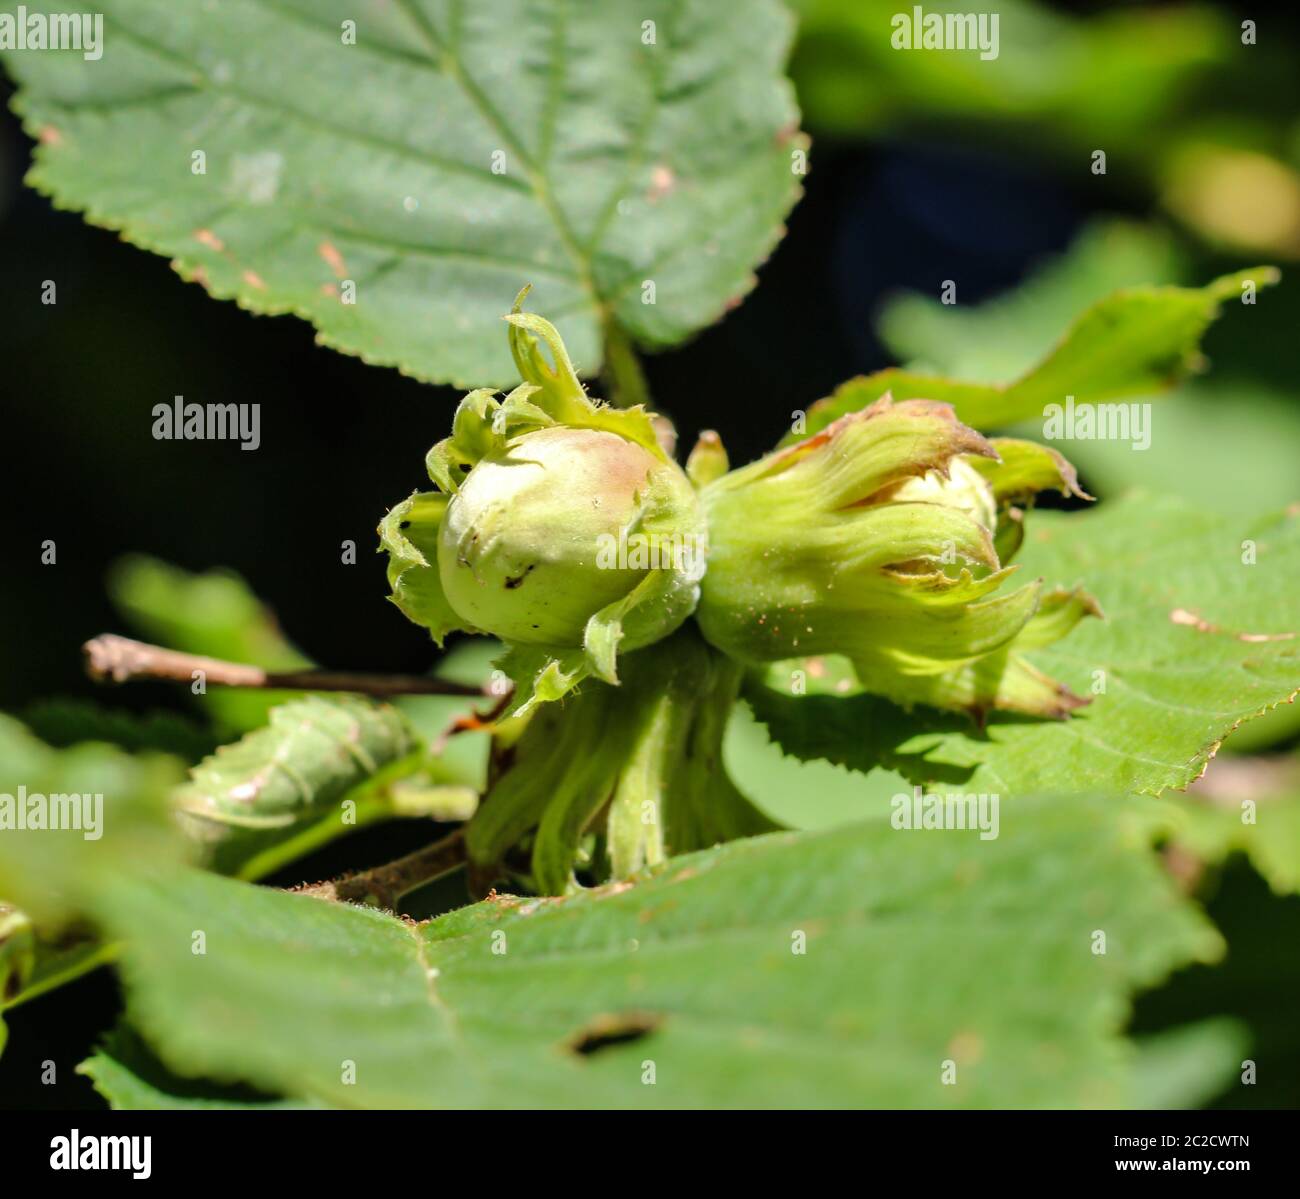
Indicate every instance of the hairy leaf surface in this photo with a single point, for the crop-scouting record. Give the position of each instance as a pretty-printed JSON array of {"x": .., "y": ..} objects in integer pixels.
[{"x": 694, "y": 986}]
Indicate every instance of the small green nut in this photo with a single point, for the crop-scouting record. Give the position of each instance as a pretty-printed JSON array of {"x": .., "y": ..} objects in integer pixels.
[{"x": 557, "y": 524}]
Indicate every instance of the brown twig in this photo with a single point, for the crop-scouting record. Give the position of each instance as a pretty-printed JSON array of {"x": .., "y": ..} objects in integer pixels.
[
  {"x": 384, "y": 886},
  {"x": 122, "y": 659}
]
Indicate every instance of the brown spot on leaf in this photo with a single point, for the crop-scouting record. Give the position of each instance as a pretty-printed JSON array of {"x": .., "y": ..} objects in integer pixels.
[
  {"x": 788, "y": 132},
  {"x": 333, "y": 259},
  {"x": 1184, "y": 617},
  {"x": 966, "y": 1048},
  {"x": 662, "y": 182},
  {"x": 205, "y": 237},
  {"x": 253, "y": 279},
  {"x": 50, "y": 136},
  {"x": 1201, "y": 625}
]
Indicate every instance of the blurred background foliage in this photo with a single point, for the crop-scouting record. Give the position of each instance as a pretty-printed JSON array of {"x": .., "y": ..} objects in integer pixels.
[{"x": 925, "y": 168}]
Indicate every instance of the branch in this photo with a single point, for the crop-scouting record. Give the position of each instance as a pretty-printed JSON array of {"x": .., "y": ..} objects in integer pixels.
[
  {"x": 384, "y": 886},
  {"x": 121, "y": 660}
]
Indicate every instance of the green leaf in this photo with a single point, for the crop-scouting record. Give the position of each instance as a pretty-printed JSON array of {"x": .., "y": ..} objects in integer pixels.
[
  {"x": 127, "y": 1091},
  {"x": 1061, "y": 85},
  {"x": 17, "y": 956},
  {"x": 480, "y": 148},
  {"x": 60, "y": 961},
  {"x": 102, "y": 812},
  {"x": 32, "y": 963},
  {"x": 1194, "y": 643},
  {"x": 279, "y": 792},
  {"x": 691, "y": 971},
  {"x": 798, "y": 794},
  {"x": 65, "y": 722},
  {"x": 1135, "y": 342},
  {"x": 313, "y": 751},
  {"x": 214, "y": 614},
  {"x": 1187, "y": 1067},
  {"x": 1221, "y": 443},
  {"x": 131, "y": 1079},
  {"x": 1004, "y": 337},
  {"x": 323, "y": 767},
  {"x": 69, "y": 820}
]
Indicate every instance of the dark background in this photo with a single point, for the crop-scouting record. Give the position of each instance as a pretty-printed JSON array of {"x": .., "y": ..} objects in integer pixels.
[{"x": 342, "y": 441}]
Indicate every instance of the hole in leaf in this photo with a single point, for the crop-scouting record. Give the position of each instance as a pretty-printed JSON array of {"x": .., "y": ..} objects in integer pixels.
[{"x": 612, "y": 1028}]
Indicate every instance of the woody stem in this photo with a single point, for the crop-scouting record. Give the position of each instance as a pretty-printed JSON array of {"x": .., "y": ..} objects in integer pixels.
[
  {"x": 385, "y": 885},
  {"x": 121, "y": 659}
]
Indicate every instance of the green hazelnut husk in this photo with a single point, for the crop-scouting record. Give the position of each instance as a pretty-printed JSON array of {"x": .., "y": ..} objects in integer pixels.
[{"x": 529, "y": 547}]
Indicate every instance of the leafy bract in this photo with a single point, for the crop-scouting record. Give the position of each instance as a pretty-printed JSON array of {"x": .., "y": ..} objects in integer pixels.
[
  {"x": 1202, "y": 633},
  {"x": 788, "y": 970},
  {"x": 395, "y": 172},
  {"x": 1134, "y": 342},
  {"x": 409, "y": 535}
]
